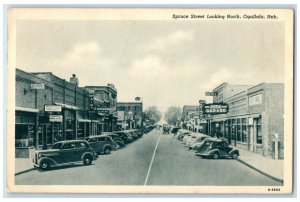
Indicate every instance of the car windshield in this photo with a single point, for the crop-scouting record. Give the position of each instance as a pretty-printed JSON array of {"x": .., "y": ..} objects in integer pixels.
[
  {"x": 57, "y": 146},
  {"x": 207, "y": 143}
]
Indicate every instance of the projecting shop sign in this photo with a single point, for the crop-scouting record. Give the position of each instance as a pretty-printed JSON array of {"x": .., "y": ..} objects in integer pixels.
[
  {"x": 215, "y": 108},
  {"x": 52, "y": 108},
  {"x": 211, "y": 93},
  {"x": 55, "y": 118}
]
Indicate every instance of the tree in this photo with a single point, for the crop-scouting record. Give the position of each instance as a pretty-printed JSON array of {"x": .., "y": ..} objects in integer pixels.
[
  {"x": 173, "y": 114},
  {"x": 152, "y": 114}
]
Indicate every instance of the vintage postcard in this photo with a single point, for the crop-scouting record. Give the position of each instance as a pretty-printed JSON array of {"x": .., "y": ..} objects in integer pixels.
[{"x": 106, "y": 100}]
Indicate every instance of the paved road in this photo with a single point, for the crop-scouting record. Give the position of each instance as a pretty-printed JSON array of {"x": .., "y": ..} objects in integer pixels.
[{"x": 155, "y": 159}]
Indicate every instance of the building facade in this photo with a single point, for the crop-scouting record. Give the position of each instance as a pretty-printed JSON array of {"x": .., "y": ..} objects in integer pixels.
[
  {"x": 130, "y": 115},
  {"x": 255, "y": 118},
  {"x": 50, "y": 109},
  {"x": 47, "y": 111},
  {"x": 191, "y": 119},
  {"x": 104, "y": 105}
]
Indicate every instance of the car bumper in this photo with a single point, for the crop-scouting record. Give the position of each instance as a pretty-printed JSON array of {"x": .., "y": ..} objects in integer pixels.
[{"x": 202, "y": 154}]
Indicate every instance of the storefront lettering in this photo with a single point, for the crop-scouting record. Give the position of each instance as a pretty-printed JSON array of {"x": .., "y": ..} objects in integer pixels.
[
  {"x": 215, "y": 108},
  {"x": 55, "y": 118},
  {"x": 52, "y": 108}
]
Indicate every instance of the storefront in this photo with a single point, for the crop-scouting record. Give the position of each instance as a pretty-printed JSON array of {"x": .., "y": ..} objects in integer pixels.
[
  {"x": 254, "y": 121},
  {"x": 25, "y": 130},
  {"x": 83, "y": 127}
]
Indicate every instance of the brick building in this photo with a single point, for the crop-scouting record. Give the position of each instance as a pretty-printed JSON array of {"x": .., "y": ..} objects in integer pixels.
[
  {"x": 50, "y": 109},
  {"x": 104, "y": 106},
  {"x": 255, "y": 116},
  {"x": 130, "y": 115}
]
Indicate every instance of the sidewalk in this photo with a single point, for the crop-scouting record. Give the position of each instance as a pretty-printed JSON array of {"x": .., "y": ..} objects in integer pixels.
[
  {"x": 267, "y": 166},
  {"x": 23, "y": 165}
]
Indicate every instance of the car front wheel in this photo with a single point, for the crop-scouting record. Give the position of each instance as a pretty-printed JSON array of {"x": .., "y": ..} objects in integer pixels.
[
  {"x": 107, "y": 150},
  {"x": 216, "y": 155},
  {"x": 234, "y": 156},
  {"x": 45, "y": 165},
  {"x": 87, "y": 160}
]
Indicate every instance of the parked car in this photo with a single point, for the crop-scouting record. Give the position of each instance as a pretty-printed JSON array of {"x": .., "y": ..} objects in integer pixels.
[
  {"x": 190, "y": 138},
  {"x": 174, "y": 129},
  {"x": 216, "y": 148},
  {"x": 196, "y": 138},
  {"x": 101, "y": 143},
  {"x": 124, "y": 136},
  {"x": 64, "y": 152},
  {"x": 118, "y": 142},
  {"x": 132, "y": 134},
  {"x": 181, "y": 133},
  {"x": 186, "y": 137}
]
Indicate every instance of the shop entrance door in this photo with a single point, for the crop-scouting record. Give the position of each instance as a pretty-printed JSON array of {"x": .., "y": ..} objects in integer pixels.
[
  {"x": 44, "y": 135},
  {"x": 252, "y": 136}
]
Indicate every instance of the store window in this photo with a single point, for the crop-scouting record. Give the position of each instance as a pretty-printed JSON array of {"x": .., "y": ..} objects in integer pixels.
[
  {"x": 99, "y": 125},
  {"x": 24, "y": 135},
  {"x": 226, "y": 129},
  {"x": 40, "y": 135},
  {"x": 244, "y": 130},
  {"x": 44, "y": 134},
  {"x": 80, "y": 130},
  {"x": 25, "y": 129},
  {"x": 238, "y": 133},
  {"x": 70, "y": 129},
  {"x": 258, "y": 131},
  {"x": 233, "y": 129},
  {"x": 57, "y": 132}
]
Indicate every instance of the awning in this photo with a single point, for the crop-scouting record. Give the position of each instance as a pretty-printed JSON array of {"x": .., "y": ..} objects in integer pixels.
[
  {"x": 83, "y": 120},
  {"x": 67, "y": 106},
  {"x": 24, "y": 109}
]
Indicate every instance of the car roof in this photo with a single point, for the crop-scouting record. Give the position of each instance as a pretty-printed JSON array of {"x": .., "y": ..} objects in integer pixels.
[
  {"x": 213, "y": 139},
  {"x": 70, "y": 141},
  {"x": 104, "y": 133},
  {"x": 95, "y": 136},
  {"x": 203, "y": 135}
]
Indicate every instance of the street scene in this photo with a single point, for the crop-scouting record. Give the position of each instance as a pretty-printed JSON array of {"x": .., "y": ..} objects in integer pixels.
[
  {"x": 154, "y": 159},
  {"x": 150, "y": 102}
]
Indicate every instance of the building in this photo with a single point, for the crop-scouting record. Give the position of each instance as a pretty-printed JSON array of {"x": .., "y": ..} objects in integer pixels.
[
  {"x": 48, "y": 109},
  {"x": 190, "y": 118},
  {"x": 130, "y": 115},
  {"x": 188, "y": 109},
  {"x": 104, "y": 105},
  {"x": 255, "y": 118}
]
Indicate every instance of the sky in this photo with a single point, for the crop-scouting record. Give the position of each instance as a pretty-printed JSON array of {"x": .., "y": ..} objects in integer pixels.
[{"x": 167, "y": 63}]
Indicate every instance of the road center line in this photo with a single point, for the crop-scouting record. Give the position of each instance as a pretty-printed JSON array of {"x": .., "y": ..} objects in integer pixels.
[{"x": 154, "y": 152}]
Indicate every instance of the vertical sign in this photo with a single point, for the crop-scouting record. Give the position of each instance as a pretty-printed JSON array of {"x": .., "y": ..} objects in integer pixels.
[{"x": 91, "y": 103}]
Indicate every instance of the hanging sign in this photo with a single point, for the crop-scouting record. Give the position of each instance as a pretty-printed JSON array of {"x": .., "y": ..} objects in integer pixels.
[
  {"x": 55, "y": 118},
  {"x": 215, "y": 108},
  {"x": 52, "y": 108},
  {"x": 211, "y": 93}
]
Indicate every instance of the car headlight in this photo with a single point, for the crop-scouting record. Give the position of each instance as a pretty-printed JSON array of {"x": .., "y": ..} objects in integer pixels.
[{"x": 40, "y": 155}]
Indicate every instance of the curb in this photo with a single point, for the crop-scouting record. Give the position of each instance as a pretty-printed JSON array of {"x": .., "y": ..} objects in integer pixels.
[
  {"x": 260, "y": 171},
  {"x": 24, "y": 171}
]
